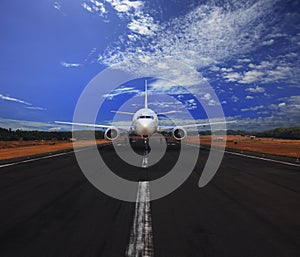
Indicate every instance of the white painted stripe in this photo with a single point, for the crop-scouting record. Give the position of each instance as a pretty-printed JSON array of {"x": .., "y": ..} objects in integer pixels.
[
  {"x": 34, "y": 159},
  {"x": 264, "y": 159},
  {"x": 145, "y": 162},
  {"x": 141, "y": 238},
  {"x": 257, "y": 157}
]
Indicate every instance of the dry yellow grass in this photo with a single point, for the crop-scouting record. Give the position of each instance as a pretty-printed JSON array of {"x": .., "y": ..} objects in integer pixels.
[
  {"x": 281, "y": 147},
  {"x": 14, "y": 149},
  {"x": 291, "y": 148}
]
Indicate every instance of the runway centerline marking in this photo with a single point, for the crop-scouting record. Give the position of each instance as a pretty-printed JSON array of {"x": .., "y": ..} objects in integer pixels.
[
  {"x": 141, "y": 237},
  {"x": 145, "y": 162}
]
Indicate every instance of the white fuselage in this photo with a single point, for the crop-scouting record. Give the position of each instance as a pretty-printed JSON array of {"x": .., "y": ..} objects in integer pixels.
[{"x": 145, "y": 122}]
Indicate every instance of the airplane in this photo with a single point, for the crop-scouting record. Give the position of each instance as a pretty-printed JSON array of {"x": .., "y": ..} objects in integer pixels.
[{"x": 144, "y": 123}]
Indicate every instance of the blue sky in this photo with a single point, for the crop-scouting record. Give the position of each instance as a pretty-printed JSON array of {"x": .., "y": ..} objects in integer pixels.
[{"x": 247, "y": 51}]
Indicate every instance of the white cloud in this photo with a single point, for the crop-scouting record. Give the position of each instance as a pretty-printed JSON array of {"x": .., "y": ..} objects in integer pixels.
[
  {"x": 125, "y": 5},
  {"x": 209, "y": 98},
  {"x": 268, "y": 42},
  {"x": 87, "y": 7},
  {"x": 280, "y": 73},
  {"x": 245, "y": 60},
  {"x": 249, "y": 97},
  {"x": 16, "y": 100},
  {"x": 235, "y": 99},
  {"x": 265, "y": 72},
  {"x": 281, "y": 104},
  {"x": 226, "y": 69},
  {"x": 204, "y": 37},
  {"x": 57, "y": 5},
  {"x": 234, "y": 76},
  {"x": 141, "y": 26},
  {"x": 214, "y": 68},
  {"x": 90, "y": 54},
  {"x": 139, "y": 22},
  {"x": 95, "y": 7},
  {"x": 256, "y": 89},
  {"x": 191, "y": 104},
  {"x": 36, "y": 108},
  {"x": 70, "y": 65},
  {"x": 120, "y": 91},
  {"x": 252, "y": 76},
  {"x": 254, "y": 108},
  {"x": 13, "y": 99}
]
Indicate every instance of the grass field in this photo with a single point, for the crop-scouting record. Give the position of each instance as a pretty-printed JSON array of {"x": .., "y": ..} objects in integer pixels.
[
  {"x": 14, "y": 149},
  {"x": 291, "y": 148}
]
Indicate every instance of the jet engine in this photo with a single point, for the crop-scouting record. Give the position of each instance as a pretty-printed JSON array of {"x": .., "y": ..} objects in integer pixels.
[
  {"x": 112, "y": 133},
  {"x": 179, "y": 133}
]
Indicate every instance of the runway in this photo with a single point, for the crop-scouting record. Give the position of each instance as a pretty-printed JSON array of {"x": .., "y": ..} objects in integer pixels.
[{"x": 250, "y": 209}]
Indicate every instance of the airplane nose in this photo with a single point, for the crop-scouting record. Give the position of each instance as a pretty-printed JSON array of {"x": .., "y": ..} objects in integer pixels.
[
  {"x": 143, "y": 128},
  {"x": 144, "y": 125}
]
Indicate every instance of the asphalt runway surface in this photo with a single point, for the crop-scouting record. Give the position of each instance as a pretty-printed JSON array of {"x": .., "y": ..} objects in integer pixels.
[{"x": 251, "y": 208}]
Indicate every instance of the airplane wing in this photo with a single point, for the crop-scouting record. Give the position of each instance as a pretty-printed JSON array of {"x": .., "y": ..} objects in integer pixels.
[
  {"x": 164, "y": 128},
  {"x": 93, "y": 125}
]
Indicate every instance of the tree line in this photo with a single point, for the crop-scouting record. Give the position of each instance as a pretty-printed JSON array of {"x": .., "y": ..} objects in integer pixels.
[
  {"x": 26, "y": 135},
  {"x": 10, "y": 135},
  {"x": 280, "y": 133}
]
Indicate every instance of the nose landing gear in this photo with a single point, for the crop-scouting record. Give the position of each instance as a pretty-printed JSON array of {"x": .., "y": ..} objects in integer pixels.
[{"x": 146, "y": 145}]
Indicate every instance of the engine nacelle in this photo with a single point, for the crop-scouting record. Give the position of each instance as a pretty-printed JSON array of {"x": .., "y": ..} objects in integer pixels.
[
  {"x": 112, "y": 133},
  {"x": 179, "y": 133}
]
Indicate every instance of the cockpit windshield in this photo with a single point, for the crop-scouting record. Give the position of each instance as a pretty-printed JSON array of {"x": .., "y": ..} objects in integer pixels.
[{"x": 146, "y": 117}]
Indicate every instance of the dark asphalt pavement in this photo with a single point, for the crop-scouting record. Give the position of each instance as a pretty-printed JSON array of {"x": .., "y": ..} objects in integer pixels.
[{"x": 251, "y": 208}]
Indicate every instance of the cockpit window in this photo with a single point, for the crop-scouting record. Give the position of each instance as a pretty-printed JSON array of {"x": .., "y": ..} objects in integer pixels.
[{"x": 146, "y": 117}]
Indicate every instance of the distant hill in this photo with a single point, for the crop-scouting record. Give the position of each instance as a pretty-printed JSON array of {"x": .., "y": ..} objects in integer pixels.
[{"x": 284, "y": 133}]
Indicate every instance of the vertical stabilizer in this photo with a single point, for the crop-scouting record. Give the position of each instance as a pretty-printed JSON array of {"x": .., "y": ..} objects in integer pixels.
[{"x": 146, "y": 95}]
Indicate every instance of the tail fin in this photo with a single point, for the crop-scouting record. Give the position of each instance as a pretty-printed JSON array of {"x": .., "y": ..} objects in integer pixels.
[{"x": 146, "y": 95}]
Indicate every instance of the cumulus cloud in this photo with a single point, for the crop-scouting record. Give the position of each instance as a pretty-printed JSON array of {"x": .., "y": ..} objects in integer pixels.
[
  {"x": 256, "y": 89},
  {"x": 268, "y": 42},
  {"x": 252, "y": 76},
  {"x": 264, "y": 72},
  {"x": 223, "y": 33},
  {"x": 95, "y": 7},
  {"x": 125, "y": 5},
  {"x": 281, "y": 104},
  {"x": 207, "y": 38},
  {"x": 234, "y": 76}
]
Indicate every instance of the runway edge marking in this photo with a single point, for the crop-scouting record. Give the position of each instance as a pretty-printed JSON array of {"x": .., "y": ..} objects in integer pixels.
[
  {"x": 141, "y": 237},
  {"x": 257, "y": 157}
]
